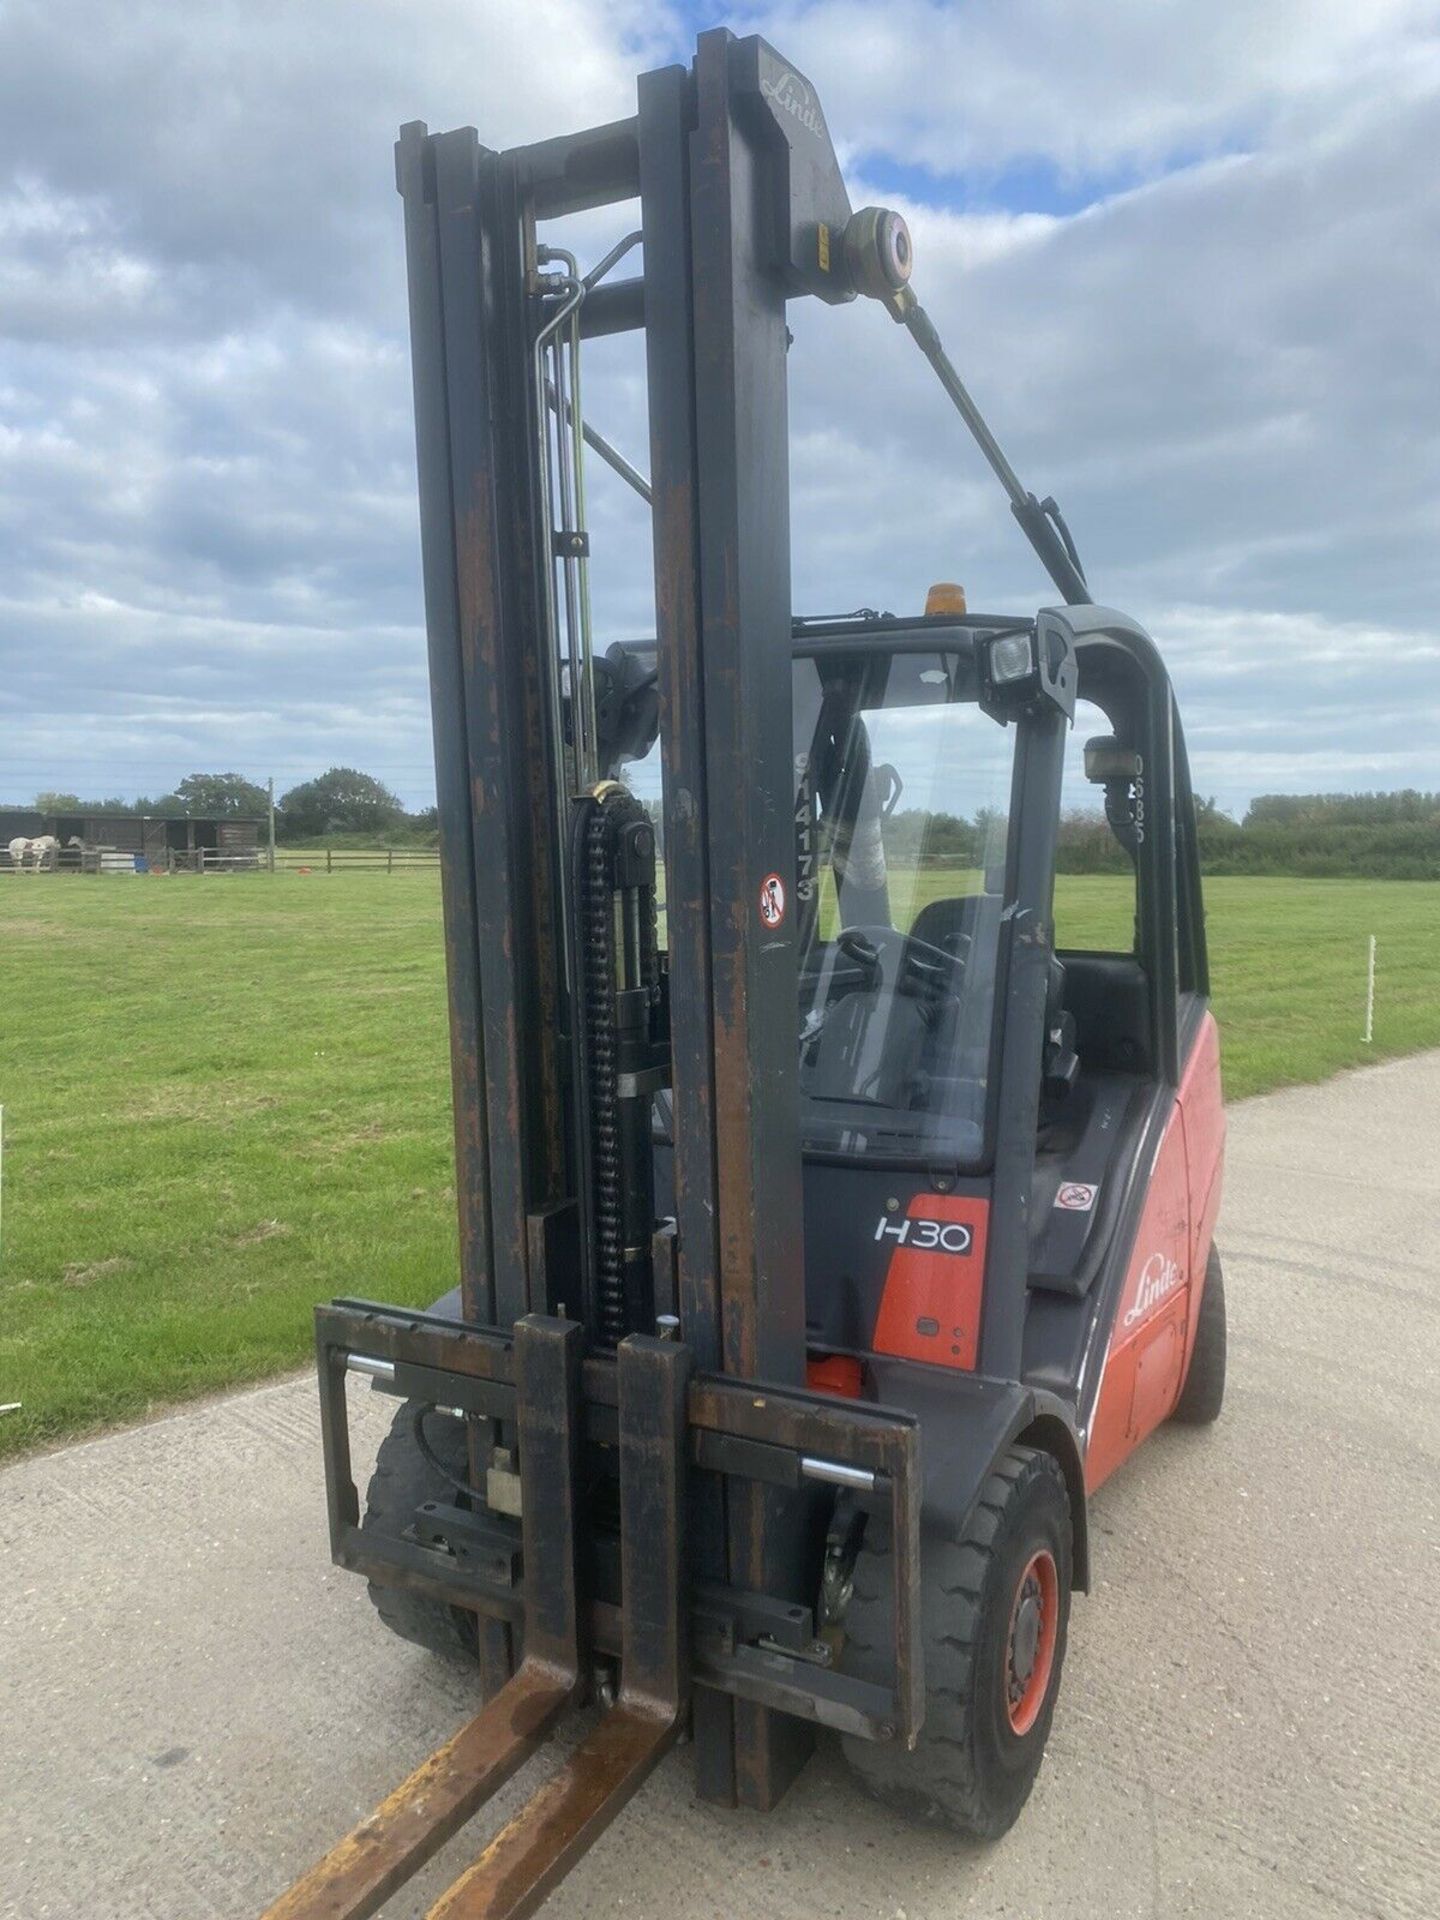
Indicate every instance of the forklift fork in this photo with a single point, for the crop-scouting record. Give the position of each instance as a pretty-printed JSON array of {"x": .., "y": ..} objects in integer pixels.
[
  {"x": 518, "y": 1868},
  {"x": 540, "y": 1845},
  {"x": 669, "y": 1630}
]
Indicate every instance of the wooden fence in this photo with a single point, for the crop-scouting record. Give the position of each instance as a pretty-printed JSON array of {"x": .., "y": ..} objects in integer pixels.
[
  {"x": 116, "y": 860},
  {"x": 357, "y": 860}
]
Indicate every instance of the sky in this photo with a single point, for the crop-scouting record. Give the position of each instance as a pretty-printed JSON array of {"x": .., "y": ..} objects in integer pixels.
[{"x": 1186, "y": 255}]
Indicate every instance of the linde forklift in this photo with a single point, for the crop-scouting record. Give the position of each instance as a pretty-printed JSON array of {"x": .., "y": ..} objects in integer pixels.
[{"x": 819, "y": 1259}]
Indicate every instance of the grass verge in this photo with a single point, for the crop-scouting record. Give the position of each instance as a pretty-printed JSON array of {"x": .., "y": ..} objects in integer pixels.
[{"x": 226, "y": 1099}]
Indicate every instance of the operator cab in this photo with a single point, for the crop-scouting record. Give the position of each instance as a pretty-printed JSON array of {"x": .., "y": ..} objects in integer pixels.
[{"x": 924, "y": 823}]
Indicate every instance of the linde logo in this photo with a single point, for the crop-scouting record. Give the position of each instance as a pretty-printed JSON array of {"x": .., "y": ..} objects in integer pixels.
[
  {"x": 1159, "y": 1278},
  {"x": 792, "y": 94}
]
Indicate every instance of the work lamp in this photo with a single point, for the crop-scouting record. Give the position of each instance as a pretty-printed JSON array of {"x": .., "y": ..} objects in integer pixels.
[{"x": 1012, "y": 658}]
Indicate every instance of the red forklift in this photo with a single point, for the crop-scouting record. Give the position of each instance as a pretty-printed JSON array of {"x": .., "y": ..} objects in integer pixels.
[{"x": 828, "y": 1234}]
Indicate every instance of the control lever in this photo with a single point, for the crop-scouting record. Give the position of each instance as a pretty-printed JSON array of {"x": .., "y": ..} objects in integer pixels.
[{"x": 864, "y": 952}]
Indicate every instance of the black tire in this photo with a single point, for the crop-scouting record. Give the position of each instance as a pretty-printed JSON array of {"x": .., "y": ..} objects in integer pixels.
[
  {"x": 1203, "y": 1393},
  {"x": 402, "y": 1481},
  {"x": 971, "y": 1771}
]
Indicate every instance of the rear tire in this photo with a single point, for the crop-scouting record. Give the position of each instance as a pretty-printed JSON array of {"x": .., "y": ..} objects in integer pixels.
[
  {"x": 1203, "y": 1393},
  {"x": 404, "y": 1480},
  {"x": 995, "y": 1610}
]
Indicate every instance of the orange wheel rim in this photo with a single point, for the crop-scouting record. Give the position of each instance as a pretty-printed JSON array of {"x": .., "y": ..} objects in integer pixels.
[{"x": 1030, "y": 1642}]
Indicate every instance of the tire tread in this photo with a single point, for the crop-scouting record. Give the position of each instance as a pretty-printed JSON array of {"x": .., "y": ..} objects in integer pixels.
[{"x": 938, "y": 1783}]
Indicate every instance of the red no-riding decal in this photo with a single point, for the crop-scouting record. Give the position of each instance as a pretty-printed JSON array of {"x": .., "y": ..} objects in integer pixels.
[{"x": 772, "y": 900}]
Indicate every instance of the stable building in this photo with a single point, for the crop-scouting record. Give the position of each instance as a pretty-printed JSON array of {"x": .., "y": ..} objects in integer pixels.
[{"x": 181, "y": 841}]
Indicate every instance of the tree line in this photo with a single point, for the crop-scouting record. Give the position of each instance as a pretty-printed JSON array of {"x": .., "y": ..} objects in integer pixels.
[
  {"x": 1393, "y": 836},
  {"x": 1376, "y": 836},
  {"x": 1390, "y": 836},
  {"x": 340, "y": 801}
]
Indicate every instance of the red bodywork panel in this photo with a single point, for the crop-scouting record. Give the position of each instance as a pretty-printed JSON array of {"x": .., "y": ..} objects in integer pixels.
[
  {"x": 1154, "y": 1329},
  {"x": 930, "y": 1309},
  {"x": 836, "y": 1373}
]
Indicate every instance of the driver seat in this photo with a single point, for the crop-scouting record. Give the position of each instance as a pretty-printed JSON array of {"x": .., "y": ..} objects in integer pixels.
[
  {"x": 947, "y": 923},
  {"x": 968, "y": 927}
]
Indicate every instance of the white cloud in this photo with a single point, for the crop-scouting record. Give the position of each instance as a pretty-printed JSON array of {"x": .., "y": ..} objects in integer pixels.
[
  {"x": 1226, "y": 372},
  {"x": 1090, "y": 85}
]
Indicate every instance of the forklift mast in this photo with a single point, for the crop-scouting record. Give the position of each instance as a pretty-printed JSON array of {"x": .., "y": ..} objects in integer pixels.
[
  {"x": 742, "y": 208},
  {"x": 739, "y": 193}
]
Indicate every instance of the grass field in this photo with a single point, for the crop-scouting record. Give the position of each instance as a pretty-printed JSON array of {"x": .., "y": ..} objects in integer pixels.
[{"x": 226, "y": 1099}]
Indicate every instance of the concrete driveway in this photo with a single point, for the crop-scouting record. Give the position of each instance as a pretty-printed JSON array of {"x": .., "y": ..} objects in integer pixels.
[{"x": 195, "y": 1704}]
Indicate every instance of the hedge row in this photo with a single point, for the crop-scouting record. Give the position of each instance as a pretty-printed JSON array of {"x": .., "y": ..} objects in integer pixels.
[{"x": 1403, "y": 850}]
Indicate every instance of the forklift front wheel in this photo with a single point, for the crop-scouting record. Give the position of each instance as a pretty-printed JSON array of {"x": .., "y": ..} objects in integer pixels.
[
  {"x": 402, "y": 1482},
  {"x": 995, "y": 1607}
]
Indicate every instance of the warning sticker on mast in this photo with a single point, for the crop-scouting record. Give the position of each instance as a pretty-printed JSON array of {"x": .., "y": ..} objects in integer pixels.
[{"x": 772, "y": 900}]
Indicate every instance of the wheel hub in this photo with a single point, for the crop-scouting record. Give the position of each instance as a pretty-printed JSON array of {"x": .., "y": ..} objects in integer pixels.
[
  {"x": 1030, "y": 1642},
  {"x": 1026, "y": 1636}
]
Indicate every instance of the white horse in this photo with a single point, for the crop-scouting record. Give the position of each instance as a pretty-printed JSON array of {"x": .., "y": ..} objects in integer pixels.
[
  {"x": 19, "y": 850},
  {"x": 45, "y": 852}
]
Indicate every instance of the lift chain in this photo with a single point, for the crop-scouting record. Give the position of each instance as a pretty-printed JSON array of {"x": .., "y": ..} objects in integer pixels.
[
  {"x": 620, "y": 990},
  {"x": 598, "y": 924}
]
